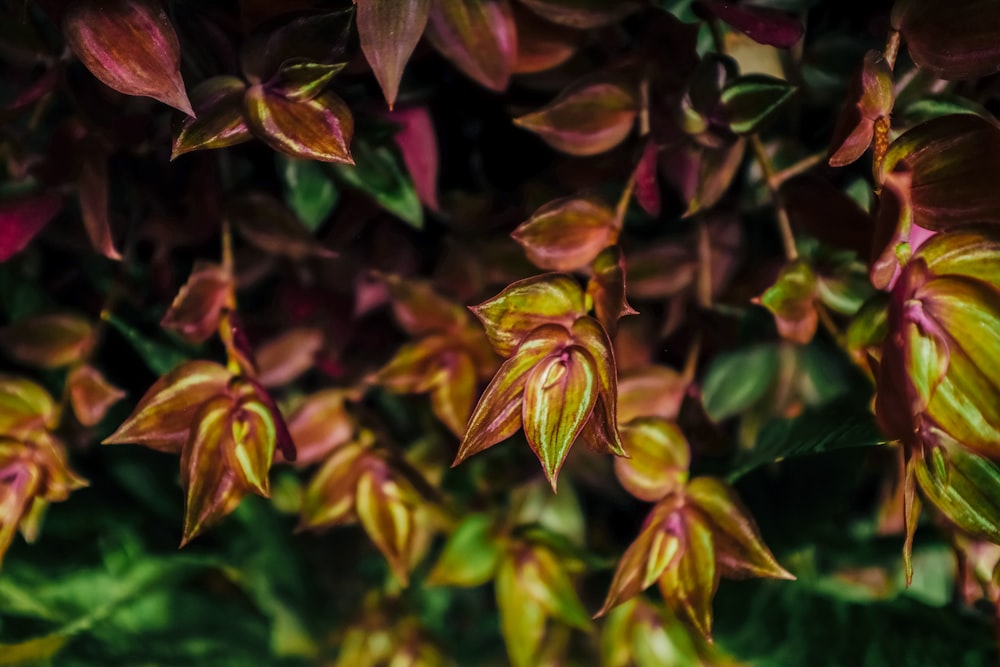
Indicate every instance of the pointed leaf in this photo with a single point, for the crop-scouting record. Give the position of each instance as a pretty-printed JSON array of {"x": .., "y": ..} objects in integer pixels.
[
  {"x": 130, "y": 46},
  {"x": 567, "y": 233},
  {"x": 268, "y": 224},
  {"x": 585, "y": 119},
  {"x": 386, "y": 517},
  {"x": 254, "y": 437},
  {"x": 527, "y": 304},
  {"x": 470, "y": 556},
  {"x": 953, "y": 40},
  {"x": 751, "y": 101},
  {"x": 415, "y": 366},
  {"x": 319, "y": 36},
  {"x": 91, "y": 395},
  {"x": 302, "y": 80},
  {"x": 589, "y": 334},
  {"x": 606, "y": 289},
  {"x": 689, "y": 584},
  {"x": 542, "y": 45},
  {"x": 197, "y": 309},
  {"x": 377, "y": 173},
  {"x": 658, "y": 458},
  {"x": 478, "y": 37},
  {"x": 389, "y": 31},
  {"x": 48, "y": 341},
  {"x": 736, "y": 380},
  {"x": 165, "y": 415},
  {"x": 284, "y": 358},
  {"x": 761, "y": 24},
  {"x": 309, "y": 190},
  {"x": 522, "y": 618},
  {"x": 329, "y": 498},
  {"x": 218, "y": 103},
  {"x": 652, "y": 391},
  {"x": 319, "y": 425},
  {"x": 22, "y": 218},
  {"x": 92, "y": 190},
  {"x": 417, "y": 143},
  {"x": 25, "y": 407},
  {"x": 420, "y": 309},
  {"x": 453, "y": 390},
  {"x": 583, "y": 14},
  {"x": 316, "y": 129},
  {"x": 497, "y": 416},
  {"x": 647, "y": 188},
  {"x": 739, "y": 549},
  {"x": 543, "y": 577},
  {"x": 792, "y": 300}
]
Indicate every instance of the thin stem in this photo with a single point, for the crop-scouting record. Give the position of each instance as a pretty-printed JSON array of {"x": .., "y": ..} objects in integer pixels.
[
  {"x": 784, "y": 223},
  {"x": 622, "y": 207},
  {"x": 800, "y": 167}
]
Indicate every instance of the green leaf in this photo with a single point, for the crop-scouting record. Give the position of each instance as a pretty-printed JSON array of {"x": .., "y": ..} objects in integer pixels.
[
  {"x": 160, "y": 356},
  {"x": 836, "y": 425},
  {"x": 377, "y": 173},
  {"x": 736, "y": 380},
  {"x": 751, "y": 101},
  {"x": 471, "y": 555},
  {"x": 309, "y": 191}
]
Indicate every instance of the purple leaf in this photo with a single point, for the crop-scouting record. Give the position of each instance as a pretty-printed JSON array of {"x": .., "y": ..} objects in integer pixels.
[{"x": 761, "y": 24}]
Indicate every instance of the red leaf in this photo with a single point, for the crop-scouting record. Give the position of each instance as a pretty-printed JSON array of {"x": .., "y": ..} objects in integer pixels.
[
  {"x": 287, "y": 356},
  {"x": 130, "y": 46},
  {"x": 647, "y": 189},
  {"x": 478, "y": 36},
  {"x": 317, "y": 129},
  {"x": 567, "y": 234},
  {"x": 417, "y": 142},
  {"x": 92, "y": 189},
  {"x": 585, "y": 119},
  {"x": 319, "y": 425},
  {"x": 48, "y": 341},
  {"x": 761, "y": 24},
  {"x": 91, "y": 395},
  {"x": 606, "y": 289},
  {"x": 542, "y": 45},
  {"x": 220, "y": 123},
  {"x": 196, "y": 310},
  {"x": 389, "y": 31},
  {"x": 22, "y": 219}
]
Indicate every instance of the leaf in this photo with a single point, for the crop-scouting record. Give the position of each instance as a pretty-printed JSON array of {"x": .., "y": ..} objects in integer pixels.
[
  {"x": 268, "y": 224},
  {"x": 48, "y": 341},
  {"x": 160, "y": 356},
  {"x": 302, "y": 80},
  {"x": 165, "y": 414},
  {"x": 316, "y": 129},
  {"x": 589, "y": 334},
  {"x": 453, "y": 390},
  {"x": 689, "y": 583},
  {"x": 792, "y": 300},
  {"x": 522, "y": 618},
  {"x": 651, "y": 391},
  {"x": 751, "y": 101},
  {"x": 387, "y": 518},
  {"x": 319, "y": 425},
  {"x": 761, "y": 24},
  {"x": 218, "y": 103},
  {"x": 92, "y": 190},
  {"x": 736, "y": 380},
  {"x": 416, "y": 140},
  {"x": 870, "y": 97},
  {"x": 542, "y": 45},
  {"x": 658, "y": 458},
  {"x": 420, "y": 309},
  {"x": 951, "y": 41},
  {"x": 130, "y": 46},
  {"x": 836, "y": 425},
  {"x": 309, "y": 191},
  {"x": 329, "y": 498},
  {"x": 377, "y": 173},
  {"x": 567, "y": 233},
  {"x": 478, "y": 37},
  {"x": 22, "y": 218},
  {"x": 91, "y": 395},
  {"x": 582, "y": 14},
  {"x": 25, "y": 407},
  {"x": 647, "y": 188},
  {"x": 389, "y": 31},
  {"x": 528, "y": 304},
  {"x": 543, "y": 577},
  {"x": 319, "y": 37},
  {"x": 470, "y": 556},
  {"x": 586, "y": 119},
  {"x": 197, "y": 309},
  {"x": 559, "y": 395},
  {"x": 606, "y": 288},
  {"x": 287, "y": 356}
]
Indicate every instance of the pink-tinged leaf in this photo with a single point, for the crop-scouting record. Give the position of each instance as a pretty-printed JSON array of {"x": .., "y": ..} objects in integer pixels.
[
  {"x": 415, "y": 366},
  {"x": 218, "y": 103},
  {"x": 420, "y": 309},
  {"x": 568, "y": 233},
  {"x": 319, "y": 36},
  {"x": 91, "y": 395},
  {"x": 651, "y": 391},
  {"x": 559, "y": 395},
  {"x": 48, "y": 341},
  {"x": 717, "y": 168},
  {"x": 387, "y": 517},
  {"x": 950, "y": 161},
  {"x": 690, "y": 583},
  {"x": 197, "y": 309},
  {"x": 497, "y": 416},
  {"x": 165, "y": 415},
  {"x": 657, "y": 548},
  {"x": 586, "y": 119},
  {"x": 658, "y": 458},
  {"x": 453, "y": 390},
  {"x": 478, "y": 37},
  {"x": 661, "y": 270},
  {"x": 588, "y": 333},
  {"x": 92, "y": 189},
  {"x": 389, "y": 31},
  {"x": 417, "y": 142},
  {"x": 647, "y": 188},
  {"x": 792, "y": 300},
  {"x": 542, "y": 45},
  {"x": 22, "y": 219},
  {"x": 329, "y": 498},
  {"x": 283, "y": 359},
  {"x": 254, "y": 436},
  {"x": 130, "y": 46},
  {"x": 869, "y": 98},
  {"x": 606, "y": 289},
  {"x": 318, "y": 129},
  {"x": 527, "y": 304},
  {"x": 582, "y": 14},
  {"x": 319, "y": 425},
  {"x": 25, "y": 407},
  {"x": 545, "y": 577},
  {"x": 301, "y": 80},
  {"x": 271, "y": 226},
  {"x": 212, "y": 489},
  {"x": 761, "y": 24},
  {"x": 951, "y": 40},
  {"x": 739, "y": 549}
]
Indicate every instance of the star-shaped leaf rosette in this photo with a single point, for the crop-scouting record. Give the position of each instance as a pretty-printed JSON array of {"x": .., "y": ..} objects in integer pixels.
[
  {"x": 559, "y": 379},
  {"x": 219, "y": 418}
]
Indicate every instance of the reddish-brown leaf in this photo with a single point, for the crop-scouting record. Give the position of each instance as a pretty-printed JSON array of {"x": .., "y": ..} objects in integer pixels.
[
  {"x": 92, "y": 189},
  {"x": 586, "y": 119},
  {"x": 389, "y": 31},
  {"x": 48, "y": 341},
  {"x": 420, "y": 309},
  {"x": 606, "y": 289},
  {"x": 197, "y": 308},
  {"x": 417, "y": 142},
  {"x": 218, "y": 103},
  {"x": 478, "y": 36},
  {"x": 567, "y": 233},
  {"x": 319, "y": 425},
  {"x": 652, "y": 391},
  {"x": 453, "y": 390},
  {"x": 273, "y": 227},
  {"x": 761, "y": 24},
  {"x": 329, "y": 498},
  {"x": 583, "y": 13},
  {"x": 588, "y": 333},
  {"x": 22, "y": 218},
  {"x": 952, "y": 40},
  {"x": 658, "y": 458},
  {"x": 387, "y": 516},
  {"x": 317, "y": 129},
  {"x": 287, "y": 356},
  {"x": 130, "y": 46},
  {"x": 647, "y": 189},
  {"x": 90, "y": 394},
  {"x": 542, "y": 45}
]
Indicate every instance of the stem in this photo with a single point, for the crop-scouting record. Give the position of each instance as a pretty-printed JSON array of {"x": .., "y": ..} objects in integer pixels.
[
  {"x": 622, "y": 207},
  {"x": 784, "y": 224},
  {"x": 800, "y": 167}
]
